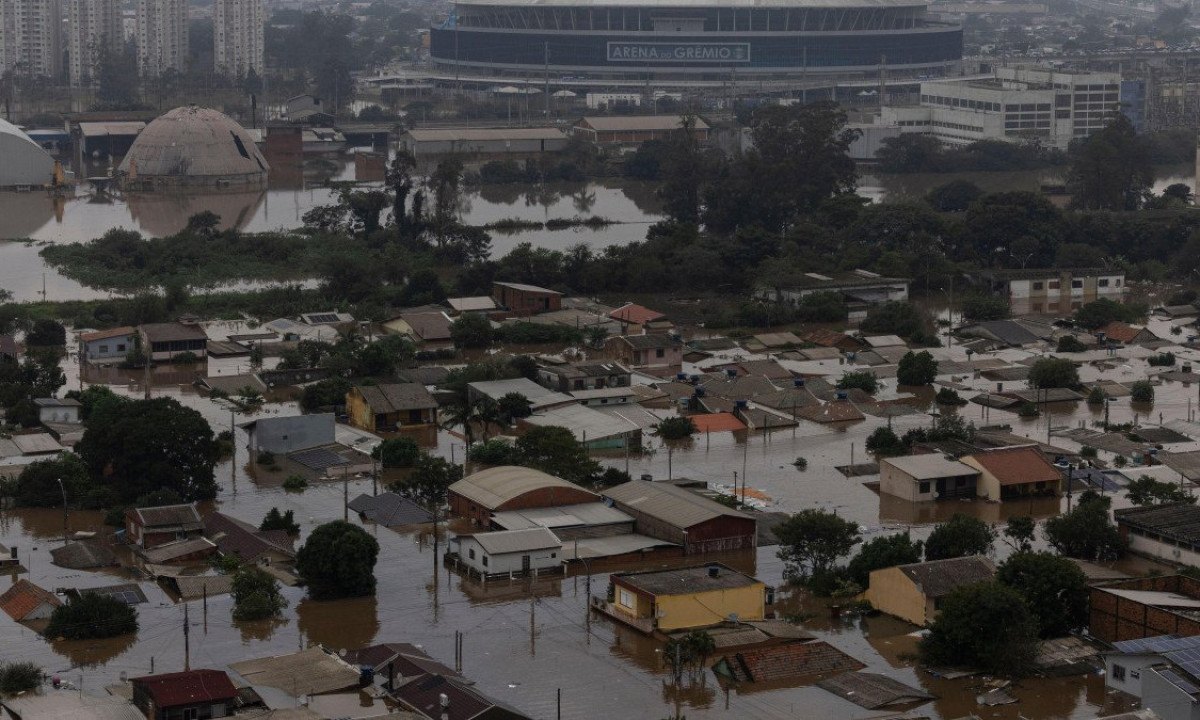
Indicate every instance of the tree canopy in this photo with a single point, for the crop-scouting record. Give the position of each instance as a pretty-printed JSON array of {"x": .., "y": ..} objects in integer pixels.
[
  {"x": 91, "y": 616},
  {"x": 917, "y": 369},
  {"x": 960, "y": 536},
  {"x": 256, "y": 594},
  {"x": 1086, "y": 532},
  {"x": 1052, "y": 372},
  {"x": 883, "y": 552},
  {"x": 812, "y": 541},
  {"x": 1110, "y": 169},
  {"x": 1054, "y": 588},
  {"x": 338, "y": 560},
  {"x": 986, "y": 626}
]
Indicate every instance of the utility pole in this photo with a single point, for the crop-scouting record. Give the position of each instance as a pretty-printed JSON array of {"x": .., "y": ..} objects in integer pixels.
[
  {"x": 345, "y": 496},
  {"x": 233, "y": 457},
  {"x": 65, "y": 510},
  {"x": 187, "y": 647},
  {"x": 546, "y": 89}
]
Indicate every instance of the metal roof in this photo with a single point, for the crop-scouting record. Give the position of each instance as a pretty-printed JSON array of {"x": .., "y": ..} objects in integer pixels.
[
  {"x": 584, "y": 423},
  {"x": 687, "y": 580},
  {"x": 674, "y": 505},
  {"x": 493, "y": 487},
  {"x": 390, "y": 510},
  {"x": 192, "y": 141},
  {"x": 588, "y": 548},
  {"x": 472, "y": 304},
  {"x": 72, "y": 706},
  {"x": 930, "y": 466},
  {"x": 526, "y": 288},
  {"x": 309, "y": 672},
  {"x": 634, "y": 123},
  {"x": 179, "y": 548},
  {"x": 484, "y": 134},
  {"x": 559, "y": 517},
  {"x": 504, "y": 542},
  {"x": 1175, "y": 523},
  {"x": 537, "y": 395},
  {"x": 1157, "y": 644}
]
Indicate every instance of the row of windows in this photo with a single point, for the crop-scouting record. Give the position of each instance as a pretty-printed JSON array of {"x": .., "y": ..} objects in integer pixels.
[
  {"x": 1028, "y": 107},
  {"x": 961, "y": 102},
  {"x": 1075, "y": 284},
  {"x": 956, "y": 126},
  {"x": 1027, "y": 125},
  {"x": 1011, "y": 117}
]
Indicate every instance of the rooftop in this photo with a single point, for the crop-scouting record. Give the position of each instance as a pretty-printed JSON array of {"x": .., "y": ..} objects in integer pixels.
[
  {"x": 169, "y": 516},
  {"x": 1018, "y": 465},
  {"x": 937, "y": 578},
  {"x": 390, "y": 510},
  {"x": 649, "y": 341},
  {"x": 397, "y": 397},
  {"x": 637, "y": 314},
  {"x": 484, "y": 134},
  {"x": 107, "y": 334},
  {"x": 1177, "y": 523},
  {"x": 24, "y": 597},
  {"x": 186, "y": 688},
  {"x": 617, "y": 123},
  {"x": 675, "y": 505},
  {"x": 503, "y": 542},
  {"x": 561, "y": 517},
  {"x": 526, "y": 288},
  {"x": 310, "y": 672},
  {"x": 686, "y": 580},
  {"x": 172, "y": 332},
  {"x": 929, "y": 466},
  {"x": 71, "y": 706},
  {"x": 493, "y": 487}
]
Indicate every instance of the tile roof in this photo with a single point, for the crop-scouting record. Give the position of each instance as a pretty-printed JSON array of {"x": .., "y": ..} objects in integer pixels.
[
  {"x": 244, "y": 541},
  {"x": 424, "y": 694},
  {"x": 676, "y": 506},
  {"x": 789, "y": 660},
  {"x": 872, "y": 691},
  {"x": 837, "y": 411},
  {"x": 170, "y": 332},
  {"x": 192, "y": 687},
  {"x": 717, "y": 422},
  {"x": 937, "y": 578},
  {"x": 407, "y": 660},
  {"x": 107, "y": 334},
  {"x": 397, "y": 397},
  {"x": 1017, "y": 465},
  {"x": 185, "y": 517},
  {"x": 636, "y": 314},
  {"x": 390, "y": 510},
  {"x": 24, "y": 597}
]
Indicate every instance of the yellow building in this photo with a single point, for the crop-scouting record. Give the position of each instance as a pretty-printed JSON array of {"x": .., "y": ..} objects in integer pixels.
[
  {"x": 914, "y": 592},
  {"x": 1008, "y": 473},
  {"x": 685, "y": 598},
  {"x": 384, "y": 408}
]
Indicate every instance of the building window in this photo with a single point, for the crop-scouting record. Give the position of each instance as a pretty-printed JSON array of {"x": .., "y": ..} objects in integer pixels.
[
  {"x": 923, "y": 487},
  {"x": 625, "y": 598},
  {"x": 485, "y": 560},
  {"x": 1053, "y": 285},
  {"x": 658, "y": 353},
  {"x": 1102, "y": 282},
  {"x": 1118, "y": 672},
  {"x": 1076, "y": 284},
  {"x": 103, "y": 348},
  {"x": 471, "y": 553},
  {"x": 1037, "y": 285},
  {"x": 553, "y": 555}
]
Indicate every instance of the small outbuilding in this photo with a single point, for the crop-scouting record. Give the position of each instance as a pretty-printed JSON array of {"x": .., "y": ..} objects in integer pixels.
[
  {"x": 914, "y": 592},
  {"x": 530, "y": 551},
  {"x": 58, "y": 410}
]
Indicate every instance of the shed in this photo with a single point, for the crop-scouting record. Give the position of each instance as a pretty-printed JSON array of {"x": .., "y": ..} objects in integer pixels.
[
  {"x": 509, "y": 552},
  {"x": 58, "y": 410},
  {"x": 920, "y": 478},
  {"x": 913, "y": 592},
  {"x": 508, "y": 487},
  {"x": 680, "y": 516},
  {"x": 377, "y": 408}
]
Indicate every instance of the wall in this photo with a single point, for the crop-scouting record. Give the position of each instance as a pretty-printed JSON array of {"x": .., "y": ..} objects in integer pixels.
[
  {"x": 1161, "y": 549},
  {"x": 709, "y": 608},
  {"x": 360, "y": 413},
  {"x": 1132, "y": 665},
  {"x": 1112, "y": 618},
  {"x": 891, "y": 591},
  {"x": 288, "y": 434},
  {"x": 545, "y": 559},
  {"x": 722, "y": 534},
  {"x": 114, "y": 348},
  {"x": 896, "y": 482},
  {"x": 1166, "y": 700}
]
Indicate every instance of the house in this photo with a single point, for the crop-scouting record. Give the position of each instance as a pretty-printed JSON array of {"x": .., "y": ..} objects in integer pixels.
[
  {"x": 1126, "y": 664},
  {"x": 634, "y": 129},
  {"x": 150, "y": 527},
  {"x": 1058, "y": 291},
  {"x": 376, "y": 408},
  {"x": 322, "y": 671},
  {"x": 680, "y": 516},
  {"x": 251, "y": 546},
  {"x": 636, "y": 319},
  {"x": 529, "y": 551},
  {"x": 1007, "y": 473},
  {"x": 1144, "y": 607},
  {"x": 684, "y": 598},
  {"x": 307, "y": 110},
  {"x": 652, "y": 351},
  {"x": 191, "y": 551},
  {"x": 167, "y": 341},
  {"x": 914, "y": 592},
  {"x": 113, "y": 344},
  {"x": 921, "y": 478},
  {"x": 1164, "y": 532},
  {"x": 539, "y": 397},
  {"x": 428, "y": 329},
  {"x": 398, "y": 663},
  {"x": 26, "y": 601},
  {"x": 509, "y": 487},
  {"x": 390, "y": 510},
  {"x": 58, "y": 410},
  {"x": 68, "y": 706},
  {"x": 188, "y": 695},
  {"x": 1009, "y": 333},
  {"x": 283, "y": 435},
  {"x": 593, "y": 429},
  {"x": 583, "y": 376},
  {"x": 1126, "y": 334},
  {"x": 525, "y": 300},
  {"x": 449, "y": 697},
  {"x": 476, "y": 304},
  {"x": 485, "y": 142}
]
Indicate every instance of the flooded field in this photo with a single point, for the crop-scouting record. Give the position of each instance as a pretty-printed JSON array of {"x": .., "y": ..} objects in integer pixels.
[{"x": 527, "y": 639}]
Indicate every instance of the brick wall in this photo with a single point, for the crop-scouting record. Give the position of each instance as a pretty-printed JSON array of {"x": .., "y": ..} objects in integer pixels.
[{"x": 1113, "y": 618}]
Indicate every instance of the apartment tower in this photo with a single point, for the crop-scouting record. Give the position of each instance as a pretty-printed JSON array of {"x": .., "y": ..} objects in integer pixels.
[
  {"x": 238, "y": 37},
  {"x": 31, "y": 37},
  {"x": 162, "y": 35},
  {"x": 94, "y": 24}
]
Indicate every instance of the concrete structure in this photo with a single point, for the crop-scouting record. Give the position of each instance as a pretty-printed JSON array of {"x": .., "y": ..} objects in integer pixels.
[
  {"x": 188, "y": 695},
  {"x": 154, "y": 526},
  {"x": 1060, "y": 291},
  {"x": 283, "y": 435},
  {"x": 167, "y": 341},
  {"x": 634, "y": 129},
  {"x": 509, "y": 552},
  {"x": 58, "y": 410},
  {"x": 162, "y": 36},
  {"x": 583, "y": 376},
  {"x": 113, "y": 344},
  {"x": 31, "y": 38},
  {"x": 387, "y": 407},
  {"x": 507, "y": 487},
  {"x": 680, "y": 516},
  {"x": 95, "y": 27},
  {"x": 858, "y": 287},
  {"x": 1164, "y": 532},
  {"x": 914, "y": 592},
  {"x": 525, "y": 300},
  {"x": 922, "y": 478},
  {"x": 1126, "y": 665},
  {"x": 1008, "y": 473},
  {"x": 685, "y": 598},
  {"x": 427, "y": 142},
  {"x": 193, "y": 146},
  {"x": 1019, "y": 104},
  {"x": 238, "y": 37},
  {"x": 656, "y": 353},
  {"x": 25, "y": 164},
  {"x": 1144, "y": 607}
]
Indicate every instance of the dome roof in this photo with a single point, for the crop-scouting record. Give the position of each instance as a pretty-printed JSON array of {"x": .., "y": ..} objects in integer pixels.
[
  {"x": 25, "y": 162},
  {"x": 196, "y": 145}
]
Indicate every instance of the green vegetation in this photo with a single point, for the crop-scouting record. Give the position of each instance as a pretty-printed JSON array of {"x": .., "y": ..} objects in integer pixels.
[
  {"x": 338, "y": 561},
  {"x": 948, "y": 396},
  {"x": 1096, "y": 396},
  {"x": 1148, "y": 491},
  {"x": 960, "y": 536},
  {"x": 256, "y": 595},
  {"x": 864, "y": 380},
  {"x": 1141, "y": 391},
  {"x": 401, "y": 452},
  {"x": 676, "y": 428},
  {"x": 1070, "y": 344},
  {"x": 987, "y": 626},
  {"x": 1098, "y": 313},
  {"x": 883, "y": 442},
  {"x": 295, "y": 483},
  {"x": 917, "y": 369},
  {"x": 19, "y": 677},
  {"x": 1086, "y": 532},
  {"x": 883, "y": 552},
  {"x": 811, "y": 542},
  {"x": 92, "y": 616},
  {"x": 275, "y": 520},
  {"x": 1019, "y": 532},
  {"x": 1052, "y": 372},
  {"x": 979, "y": 308},
  {"x": 1054, "y": 588},
  {"x": 925, "y": 154}
]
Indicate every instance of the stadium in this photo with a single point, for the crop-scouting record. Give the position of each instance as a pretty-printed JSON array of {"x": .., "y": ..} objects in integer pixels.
[{"x": 721, "y": 40}]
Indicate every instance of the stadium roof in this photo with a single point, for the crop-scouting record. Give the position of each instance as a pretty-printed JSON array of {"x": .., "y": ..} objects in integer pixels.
[{"x": 655, "y": 4}]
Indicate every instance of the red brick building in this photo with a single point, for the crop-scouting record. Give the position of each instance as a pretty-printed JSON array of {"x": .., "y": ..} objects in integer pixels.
[
  {"x": 678, "y": 515},
  {"x": 150, "y": 527},
  {"x": 525, "y": 300},
  {"x": 1145, "y": 607},
  {"x": 507, "y": 487}
]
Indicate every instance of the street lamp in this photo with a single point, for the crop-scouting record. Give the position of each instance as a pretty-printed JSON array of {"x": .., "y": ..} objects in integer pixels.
[{"x": 65, "y": 511}]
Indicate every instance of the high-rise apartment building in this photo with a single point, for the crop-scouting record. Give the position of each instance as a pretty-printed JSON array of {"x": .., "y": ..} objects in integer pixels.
[
  {"x": 238, "y": 36},
  {"x": 93, "y": 25},
  {"x": 31, "y": 37},
  {"x": 162, "y": 36}
]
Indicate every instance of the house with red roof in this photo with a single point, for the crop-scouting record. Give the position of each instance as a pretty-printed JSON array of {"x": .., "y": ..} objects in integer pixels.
[
  {"x": 188, "y": 695},
  {"x": 1126, "y": 334},
  {"x": 637, "y": 319},
  {"x": 26, "y": 601},
  {"x": 1008, "y": 473}
]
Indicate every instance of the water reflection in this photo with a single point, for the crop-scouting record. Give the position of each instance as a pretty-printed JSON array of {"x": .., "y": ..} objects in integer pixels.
[
  {"x": 258, "y": 630},
  {"x": 166, "y": 213},
  {"x": 91, "y": 653},
  {"x": 341, "y": 624}
]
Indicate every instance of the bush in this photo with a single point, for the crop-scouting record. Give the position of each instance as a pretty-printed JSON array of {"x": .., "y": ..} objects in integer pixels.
[
  {"x": 265, "y": 457},
  {"x": 1166, "y": 359},
  {"x": 92, "y": 616},
  {"x": 948, "y": 396},
  {"x": 256, "y": 595},
  {"x": 864, "y": 380},
  {"x": 960, "y": 536},
  {"x": 987, "y": 626},
  {"x": 19, "y": 677},
  {"x": 275, "y": 520},
  {"x": 1070, "y": 344},
  {"x": 1053, "y": 372},
  {"x": 1096, "y": 396},
  {"x": 295, "y": 483},
  {"x": 1141, "y": 391},
  {"x": 399, "y": 452},
  {"x": 493, "y": 452},
  {"x": 917, "y": 369}
]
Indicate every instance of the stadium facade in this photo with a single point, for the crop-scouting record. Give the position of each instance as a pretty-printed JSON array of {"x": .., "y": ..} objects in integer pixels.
[{"x": 694, "y": 39}]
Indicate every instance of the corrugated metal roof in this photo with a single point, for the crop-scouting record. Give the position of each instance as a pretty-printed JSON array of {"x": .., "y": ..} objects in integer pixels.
[
  {"x": 72, "y": 706},
  {"x": 559, "y": 517},
  {"x": 527, "y": 288},
  {"x": 495, "y": 486},
  {"x": 929, "y": 466},
  {"x": 308, "y": 672},
  {"x": 484, "y": 134},
  {"x": 633, "y": 123},
  {"x": 584, "y": 423},
  {"x": 674, "y": 505},
  {"x": 503, "y": 542}
]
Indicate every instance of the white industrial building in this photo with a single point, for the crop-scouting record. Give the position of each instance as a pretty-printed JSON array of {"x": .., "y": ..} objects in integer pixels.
[
  {"x": 25, "y": 163},
  {"x": 529, "y": 551},
  {"x": 423, "y": 142},
  {"x": 1018, "y": 104}
]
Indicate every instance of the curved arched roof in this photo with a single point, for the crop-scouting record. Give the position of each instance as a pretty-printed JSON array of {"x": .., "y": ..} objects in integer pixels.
[
  {"x": 25, "y": 162},
  {"x": 194, "y": 142},
  {"x": 494, "y": 487}
]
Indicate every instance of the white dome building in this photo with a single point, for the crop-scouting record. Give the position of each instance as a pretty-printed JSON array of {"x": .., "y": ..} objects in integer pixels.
[
  {"x": 193, "y": 146},
  {"x": 24, "y": 163}
]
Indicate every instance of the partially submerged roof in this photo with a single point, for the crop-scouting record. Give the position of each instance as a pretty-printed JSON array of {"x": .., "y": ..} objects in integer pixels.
[
  {"x": 169, "y": 517},
  {"x": 503, "y": 542},
  {"x": 390, "y": 510},
  {"x": 537, "y": 395},
  {"x": 937, "y": 578},
  {"x": 82, "y": 556},
  {"x": 397, "y": 397},
  {"x": 496, "y": 486},
  {"x": 786, "y": 661},
  {"x": 179, "y": 549},
  {"x": 191, "y": 687},
  {"x": 172, "y": 332},
  {"x": 1177, "y": 523},
  {"x": 873, "y": 691},
  {"x": 310, "y": 672},
  {"x": 686, "y": 580},
  {"x": 676, "y": 506},
  {"x": 521, "y": 287},
  {"x": 71, "y": 706},
  {"x": 1017, "y": 465},
  {"x": 24, "y": 597},
  {"x": 242, "y": 540},
  {"x": 930, "y": 466},
  {"x": 636, "y": 314},
  {"x": 107, "y": 334},
  {"x": 586, "y": 424}
]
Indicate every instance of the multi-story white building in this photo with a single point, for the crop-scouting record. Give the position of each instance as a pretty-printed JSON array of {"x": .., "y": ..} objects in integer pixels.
[
  {"x": 162, "y": 36},
  {"x": 94, "y": 24},
  {"x": 238, "y": 36},
  {"x": 1018, "y": 104},
  {"x": 31, "y": 37}
]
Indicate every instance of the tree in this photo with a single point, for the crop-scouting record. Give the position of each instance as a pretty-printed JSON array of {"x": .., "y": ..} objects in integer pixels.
[
  {"x": 91, "y": 616},
  {"x": 428, "y": 482},
  {"x": 987, "y": 626},
  {"x": 338, "y": 561},
  {"x": 1141, "y": 391},
  {"x": 471, "y": 331},
  {"x": 327, "y": 393},
  {"x": 513, "y": 405},
  {"x": 954, "y": 196},
  {"x": 275, "y": 520},
  {"x": 1098, "y": 313},
  {"x": 883, "y": 442},
  {"x": 1148, "y": 491},
  {"x": 883, "y": 552},
  {"x": 555, "y": 451},
  {"x": 256, "y": 594},
  {"x": 1054, "y": 588},
  {"x": 400, "y": 452},
  {"x": 1070, "y": 344},
  {"x": 864, "y": 380},
  {"x": 19, "y": 677},
  {"x": 37, "y": 485},
  {"x": 895, "y": 318},
  {"x": 811, "y": 542},
  {"x": 960, "y": 536},
  {"x": 151, "y": 444},
  {"x": 917, "y": 369},
  {"x": 1018, "y": 532},
  {"x": 1110, "y": 170},
  {"x": 676, "y": 428},
  {"x": 1052, "y": 372},
  {"x": 46, "y": 333},
  {"x": 1086, "y": 532},
  {"x": 980, "y": 308}
]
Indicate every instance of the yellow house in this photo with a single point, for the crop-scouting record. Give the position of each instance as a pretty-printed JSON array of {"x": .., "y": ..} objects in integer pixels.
[
  {"x": 1008, "y": 473},
  {"x": 914, "y": 592},
  {"x": 685, "y": 598},
  {"x": 383, "y": 408}
]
